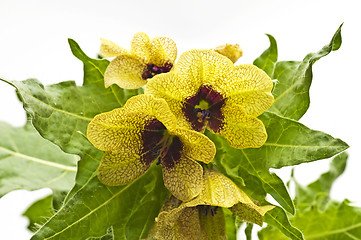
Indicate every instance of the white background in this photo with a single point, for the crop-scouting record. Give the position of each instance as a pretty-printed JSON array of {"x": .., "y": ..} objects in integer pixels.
[{"x": 33, "y": 44}]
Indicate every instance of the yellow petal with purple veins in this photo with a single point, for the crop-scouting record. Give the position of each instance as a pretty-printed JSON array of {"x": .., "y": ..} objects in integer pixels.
[
  {"x": 213, "y": 223},
  {"x": 253, "y": 103},
  {"x": 110, "y": 49},
  {"x": 203, "y": 67},
  {"x": 147, "y": 104},
  {"x": 251, "y": 213},
  {"x": 184, "y": 226},
  {"x": 231, "y": 51},
  {"x": 115, "y": 129},
  {"x": 122, "y": 127},
  {"x": 121, "y": 167},
  {"x": 197, "y": 146},
  {"x": 246, "y": 78},
  {"x": 125, "y": 71},
  {"x": 218, "y": 190},
  {"x": 140, "y": 46},
  {"x": 162, "y": 50},
  {"x": 240, "y": 130},
  {"x": 174, "y": 90},
  {"x": 183, "y": 177}
]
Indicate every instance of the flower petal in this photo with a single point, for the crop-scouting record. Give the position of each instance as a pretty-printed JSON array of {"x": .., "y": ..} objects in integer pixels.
[
  {"x": 251, "y": 213},
  {"x": 213, "y": 223},
  {"x": 174, "y": 90},
  {"x": 197, "y": 146},
  {"x": 183, "y": 225},
  {"x": 231, "y": 51},
  {"x": 184, "y": 178},
  {"x": 122, "y": 127},
  {"x": 140, "y": 46},
  {"x": 246, "y": 78},
  {"x": 240, "y": 130},
  {"x": 121, "y": 167},
  {"x": 110, "y": 49},
  {"x": 162, "y": 50},
  {"x": 125, "y": 71},
  {"x": 203, "y": 67},
  {"x": 253, "y": 103},
  {"x": 218, "y": 190}
]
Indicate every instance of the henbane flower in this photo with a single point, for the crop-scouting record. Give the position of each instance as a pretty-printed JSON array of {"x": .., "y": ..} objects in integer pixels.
[
  {"x": 231, "y": 51},
  {"x": 202, "y": 217},
  {"x": 140, "y": 132},
  {"x": 146, "y": 58},
  {"x": 205, "y": 90}
]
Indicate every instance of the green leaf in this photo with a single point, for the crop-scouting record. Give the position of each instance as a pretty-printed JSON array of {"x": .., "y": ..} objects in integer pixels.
[
  {"x": 94, "y": 207},
  {"x": 108, "y": 236},
  {"x": 291, "y": 91},
  {"x": 27, "y": 161},
  {"x": 336, "y": 221},
  {"x": 248, "y": 231},
  {"x": 61, "y": 113},
  {"x": 289, "y": 143},
  {"x": 43, "y": 209},
  {"x": 278, "y": 219},
  {"x": 231, "y": 224},
  {"x": 39, "y": 211},
  {"x": 268, "y": 58},
  {"x": 324, "y": 183},
  {"x": 71, "y": 106},
  {"x": 317, "y": 216}
]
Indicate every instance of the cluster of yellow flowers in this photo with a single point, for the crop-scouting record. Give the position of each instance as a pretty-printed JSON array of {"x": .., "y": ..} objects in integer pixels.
[{"x": 202, "y": 90}]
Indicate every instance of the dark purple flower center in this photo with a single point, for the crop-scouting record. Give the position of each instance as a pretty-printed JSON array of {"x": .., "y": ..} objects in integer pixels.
[
  {"x": 204, "y": 109},
  {"x": 158, "y": 143},
  {"x": 152, "y": 70}
]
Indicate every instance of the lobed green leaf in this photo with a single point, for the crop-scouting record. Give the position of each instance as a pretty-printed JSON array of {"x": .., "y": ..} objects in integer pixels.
[
  {"x": 62, "y": 112},
  {"x": 268, "y": 58},
  {"x": 306, "y": 195},
  {"x": 289, "y": 143},
  {"x": 291, "y": 91},
  {"x": 278, "y": 219},
  {"x": 39, "y": 211},
  {"x": 94, "y": 207},
  {"x": 317, "y": 216},
  {"x": 43, "y": 209},
  {"x": 27, "y": 161}
]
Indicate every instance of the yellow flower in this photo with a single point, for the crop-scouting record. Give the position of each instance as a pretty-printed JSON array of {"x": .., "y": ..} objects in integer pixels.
[
  {"x": 200, "y": 218},
  {"x": 140, "y": 132},
  {"x": 231, "y": 51},
  {"x": 205, "y": 90},
  {"x": 146, "y": 58}
]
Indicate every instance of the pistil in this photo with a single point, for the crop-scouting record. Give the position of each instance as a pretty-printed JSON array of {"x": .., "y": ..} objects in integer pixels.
[{"x": 202, "y": 114}]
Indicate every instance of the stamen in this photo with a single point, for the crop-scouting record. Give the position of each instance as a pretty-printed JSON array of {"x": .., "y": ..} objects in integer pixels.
[
  {"x": 202, "y": 114},
  {"x": 208, "y": 208},
  {"x": 153, "y": 70},
  {"x": 215, "y": 209}
]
